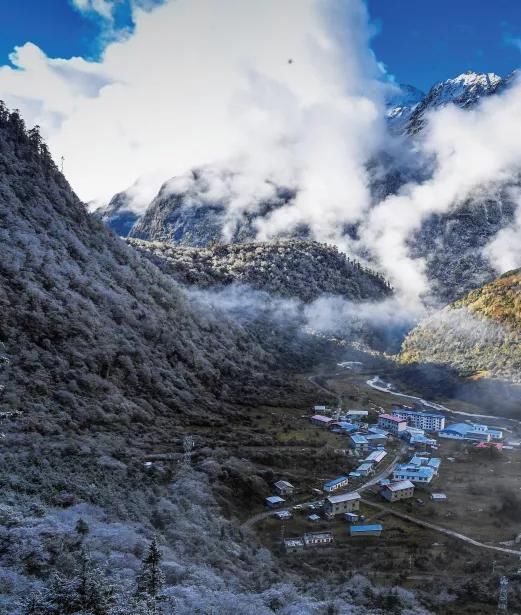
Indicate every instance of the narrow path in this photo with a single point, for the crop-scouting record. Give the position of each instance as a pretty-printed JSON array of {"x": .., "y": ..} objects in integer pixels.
[
  {"x": 440, "y": 530},
  {"x": 323, "y": 388}
]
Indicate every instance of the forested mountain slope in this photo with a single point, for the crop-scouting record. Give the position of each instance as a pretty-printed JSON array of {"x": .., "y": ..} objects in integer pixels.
[
  {"x": 478, "y": 335},
  {"x": 107, "y": 366},
  {"x": 292, "y": 269}
]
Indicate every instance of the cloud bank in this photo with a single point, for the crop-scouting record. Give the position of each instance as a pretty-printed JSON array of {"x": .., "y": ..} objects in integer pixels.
[
  {"x": 286, "y": 91},
  {"x": 269, "y": 94}
]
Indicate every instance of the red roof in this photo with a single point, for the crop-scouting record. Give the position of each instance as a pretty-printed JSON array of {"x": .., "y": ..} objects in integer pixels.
[
  {"x": 497, "y": 445},
  {"x": 390, "y": 417}
]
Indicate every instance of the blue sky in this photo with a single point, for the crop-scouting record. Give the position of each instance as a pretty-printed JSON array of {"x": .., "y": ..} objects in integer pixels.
[
  {"x": 420, "y": 41},
  {"x": 425, "y": 41}
]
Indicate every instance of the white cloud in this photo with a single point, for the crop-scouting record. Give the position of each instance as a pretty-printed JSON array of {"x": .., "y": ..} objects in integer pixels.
[
  {"x": 472, "y": 149},
  {"x": 283, "y": 90},
  {"x": 103, "y": 8},
  {"x": 281, "y": 93}
]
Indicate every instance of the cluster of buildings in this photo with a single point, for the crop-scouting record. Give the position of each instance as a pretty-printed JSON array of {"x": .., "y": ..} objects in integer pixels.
[
  {"x": 419, "y": 470},
  {"x": 471, "y": 431}
]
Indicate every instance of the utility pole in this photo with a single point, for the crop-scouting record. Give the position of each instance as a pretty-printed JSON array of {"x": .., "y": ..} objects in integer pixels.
[{"x": 502, "y": 603}]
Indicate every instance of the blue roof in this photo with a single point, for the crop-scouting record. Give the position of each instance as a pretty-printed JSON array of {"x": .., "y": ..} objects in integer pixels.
[
  {"x": 375, "y": 527},
  {"x": 335, "y": 481},
  {"x": 438, "y": 415},
  {"x": 423, "y": 471},
  {"x": 434, "y": 462},
  {"x": 459, "y": 428},
  {"x": 345, "y": 426},
  {"x": 365, "y": 466},
  {"x": 274, "y": 499},
  {"x": 358, "y": 439}
]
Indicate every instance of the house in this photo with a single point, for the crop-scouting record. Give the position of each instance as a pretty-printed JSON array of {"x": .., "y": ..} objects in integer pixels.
[
  {"x": 314, "y": 517},
  {"x": 470, "y": 431},
  {"x": 376, "y": 438},
  {"x": 283, "y": 515},
  {"x": 401, "y": 490},
  {"x": 321, "y": 421},
  {"x": 318, "y": 539},
  {"x": 343, "y": 427},
  {"x": 438, "y": 497},
  {"x": 292, "y": 545},
  {"x": 374, "y": 529},
  {"x": 393, "y": 424},
  {"x": 376, "y": 457},
  {"x": 337, "y": 504},
  {"x": 416, "y": 474},
  {"x": 274, "y": 501},
  {"x": 282, "y": 487},
  {"x": 358, "y": 442},
  {"x": 351, "y": 517},
  {"x": 364, "y": 469},
  {"x": 354, "y": 475},
  {"x": 335, "y": 484},
  {"x": 357, "y": 416},
  {"x": 428, "y": 421},
  {"x": 320, "y": 409},
  {"x": 421, "y": 440}
]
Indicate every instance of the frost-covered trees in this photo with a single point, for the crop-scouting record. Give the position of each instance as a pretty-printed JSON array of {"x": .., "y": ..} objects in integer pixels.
[
  {"x": 151, "y": 579},
  {"x": 291, "y": 268}
]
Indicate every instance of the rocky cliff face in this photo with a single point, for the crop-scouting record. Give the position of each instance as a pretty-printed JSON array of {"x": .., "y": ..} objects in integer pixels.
[
  {"x": 479, "y": 335},
  {"x": 189, "y": 210},
  {"x": 453, "y": 243},
  {"x": 464, "y": 91}
]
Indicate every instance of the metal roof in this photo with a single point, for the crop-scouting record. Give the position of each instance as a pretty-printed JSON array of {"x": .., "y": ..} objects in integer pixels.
[
  {"x": 400, "y": 485},
  {"x": 283, "y": 483},
  {"x": 375, "y": 527},
  {"x": 274, "y": 499},
  {"x": 344, "y": 497},
  {"x": 359, "y": 439},
  {"x": 322, "y": 418},
  {"x": 376, "y": 456},
  {"x": 335, "y": 481},
  {"x": 390, "y": 417}
]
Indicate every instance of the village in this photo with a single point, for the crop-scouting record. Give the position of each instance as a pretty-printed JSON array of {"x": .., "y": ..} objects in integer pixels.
[{"x": 395, "y": 460}]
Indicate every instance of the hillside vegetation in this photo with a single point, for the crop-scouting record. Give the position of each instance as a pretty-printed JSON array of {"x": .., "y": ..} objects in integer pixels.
[
  {"x": 286, "y": 268},
  {"x": 107, "y": 366},
  {"x": 479, "y": 335}
]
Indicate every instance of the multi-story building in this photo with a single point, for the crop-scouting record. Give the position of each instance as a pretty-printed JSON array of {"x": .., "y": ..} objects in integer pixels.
[
  {"x": 338, "y": 504},
  {"x": 428, "y": 421},
  {"x": 398, "y": 491},
  {"x": 393, "y": 424}
]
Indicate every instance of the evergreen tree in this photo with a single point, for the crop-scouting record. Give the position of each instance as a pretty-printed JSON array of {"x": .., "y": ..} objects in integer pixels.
[{"x": 151, "y": 580}]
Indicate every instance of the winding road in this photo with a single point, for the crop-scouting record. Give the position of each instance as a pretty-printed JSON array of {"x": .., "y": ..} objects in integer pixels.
[
  {"x": 379, "y": 385},
  {"x": 440, "y": 529}
]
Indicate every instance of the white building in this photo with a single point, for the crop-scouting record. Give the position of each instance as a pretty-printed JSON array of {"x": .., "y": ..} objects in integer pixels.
[
  {"x": 391, "y": 423},
  {"x": 401, "y": 490},
  {"x": 428, "y": 421},
  {"x": 321, "y": 420},
  {"x": 338, "y": 504}
]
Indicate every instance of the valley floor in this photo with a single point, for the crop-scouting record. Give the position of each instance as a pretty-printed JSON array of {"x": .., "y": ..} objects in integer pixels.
[{"x": 437, "y": 548}]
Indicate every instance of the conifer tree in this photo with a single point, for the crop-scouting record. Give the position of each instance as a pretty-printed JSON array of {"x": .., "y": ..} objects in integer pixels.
[{"x": 151, "y": 580}]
